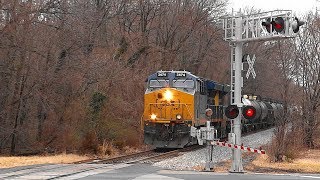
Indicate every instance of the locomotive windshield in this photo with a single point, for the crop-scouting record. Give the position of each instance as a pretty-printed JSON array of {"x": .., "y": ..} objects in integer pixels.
[
  {"x": 182, "y": 83},
  {"x": 159, "y": 83},
  {"x": 186, "y": 85}
]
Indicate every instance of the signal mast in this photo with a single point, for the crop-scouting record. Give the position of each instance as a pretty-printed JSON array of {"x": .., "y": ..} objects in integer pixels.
[{"x": 242, "y": 29}]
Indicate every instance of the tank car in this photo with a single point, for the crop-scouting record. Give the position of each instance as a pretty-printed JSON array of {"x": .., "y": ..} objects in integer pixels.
[
  {"x": 175, "y": 101},
  {"x": 267, "y": 112}
]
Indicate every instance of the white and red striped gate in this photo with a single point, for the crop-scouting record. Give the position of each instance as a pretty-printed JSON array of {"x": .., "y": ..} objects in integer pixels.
[{"x": 234, "y": 146}]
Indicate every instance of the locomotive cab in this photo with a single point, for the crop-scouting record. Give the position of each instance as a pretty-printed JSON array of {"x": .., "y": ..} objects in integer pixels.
[{"x": 168, "y": 110}]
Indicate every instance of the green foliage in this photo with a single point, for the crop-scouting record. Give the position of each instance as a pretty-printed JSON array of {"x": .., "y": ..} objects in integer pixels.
[
  {"x": 89, "y": 131},
  {"x": 96, "y": 103}
]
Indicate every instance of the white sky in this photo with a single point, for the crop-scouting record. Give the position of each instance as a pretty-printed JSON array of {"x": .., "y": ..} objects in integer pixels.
[{"x": 297, "y": 6}]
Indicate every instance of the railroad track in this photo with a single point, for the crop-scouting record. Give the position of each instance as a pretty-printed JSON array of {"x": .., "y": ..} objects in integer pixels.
[
  {"x": 152, "y": 155},
  {"x": 166, "y": 155},
  {"x": 148, "y": 156},
  {"x": 93, "y": 166},
  {"x": 125, "y": 158}
]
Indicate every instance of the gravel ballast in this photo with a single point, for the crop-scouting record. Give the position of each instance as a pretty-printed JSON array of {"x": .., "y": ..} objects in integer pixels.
[{"x": 197, "y": 158}]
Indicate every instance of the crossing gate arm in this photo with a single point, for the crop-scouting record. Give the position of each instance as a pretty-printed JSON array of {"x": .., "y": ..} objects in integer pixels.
[{"x": 234, "y": 146}]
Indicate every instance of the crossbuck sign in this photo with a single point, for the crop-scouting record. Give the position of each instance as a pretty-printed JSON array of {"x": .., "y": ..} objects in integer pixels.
[{"x": 251, "y": 70}]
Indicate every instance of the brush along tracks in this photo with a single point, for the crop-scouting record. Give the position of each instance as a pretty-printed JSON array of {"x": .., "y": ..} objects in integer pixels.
[{"x": 149, "y": 156}]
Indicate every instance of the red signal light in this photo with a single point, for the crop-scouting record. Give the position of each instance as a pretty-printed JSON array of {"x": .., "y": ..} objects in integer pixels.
[
  {"x": 278, "y": 24},
  {"x": 249, "y": 112}
]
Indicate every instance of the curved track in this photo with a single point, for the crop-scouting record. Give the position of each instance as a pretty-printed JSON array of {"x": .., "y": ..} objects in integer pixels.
[{"x": 147, "y": 156}]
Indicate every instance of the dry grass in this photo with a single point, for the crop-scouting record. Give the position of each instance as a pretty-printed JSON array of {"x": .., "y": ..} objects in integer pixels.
[
  {"x": 223, "y": 166},
  {"x": 13, "y": 161},
  {"x": 308, "y": 161}
]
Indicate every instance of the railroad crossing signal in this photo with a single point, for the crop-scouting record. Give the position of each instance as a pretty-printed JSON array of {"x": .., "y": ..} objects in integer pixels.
[
  {"x": 268, "y": 25},
  {"x": 240, "y": 29},
  {"x": 276, "y": 24},
  {"x": 248, "y": 112},
  {"x": 251, "y": 70},
  {"x": 282, "y": 24},
  {"x": 232, "y": 111},
  {"x": 296, "y": 24}
]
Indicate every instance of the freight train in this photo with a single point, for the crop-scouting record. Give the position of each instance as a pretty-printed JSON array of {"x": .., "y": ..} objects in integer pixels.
[
  {"x": 267, "y": 111},
  {"x": 175, "y": 101}
]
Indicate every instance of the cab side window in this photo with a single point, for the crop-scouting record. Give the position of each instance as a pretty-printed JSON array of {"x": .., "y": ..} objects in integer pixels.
[{"x": 198, "y": 86}]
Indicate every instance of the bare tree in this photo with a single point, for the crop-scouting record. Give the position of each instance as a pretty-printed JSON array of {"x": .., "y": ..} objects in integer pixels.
[
  {"x": 57, "y": 57},
  {"x": 308, "y": 75}
]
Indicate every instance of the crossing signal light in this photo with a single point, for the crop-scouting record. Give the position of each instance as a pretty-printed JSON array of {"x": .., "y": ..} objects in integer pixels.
[
  {"x": 268, "y": 25},
  {"x": 232, "y": 111},
  {"x": 296, "y": 24},
  {"x": 278, "y": 24},
  {"x": 249, "y": 112}
]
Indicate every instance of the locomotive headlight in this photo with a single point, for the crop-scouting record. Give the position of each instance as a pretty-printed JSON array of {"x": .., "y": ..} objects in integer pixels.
[
  {"x": 153, "y": 116},
  {"x": 168, "y": 95},
  {"x": 178, "y": 116}
]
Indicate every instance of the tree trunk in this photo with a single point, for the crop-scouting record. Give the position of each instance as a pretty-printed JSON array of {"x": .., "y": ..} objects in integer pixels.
[{"x": 14, "y": 132}]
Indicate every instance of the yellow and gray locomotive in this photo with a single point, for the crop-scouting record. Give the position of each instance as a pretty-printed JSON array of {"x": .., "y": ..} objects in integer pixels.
[{"x": 176, "y": 100}]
